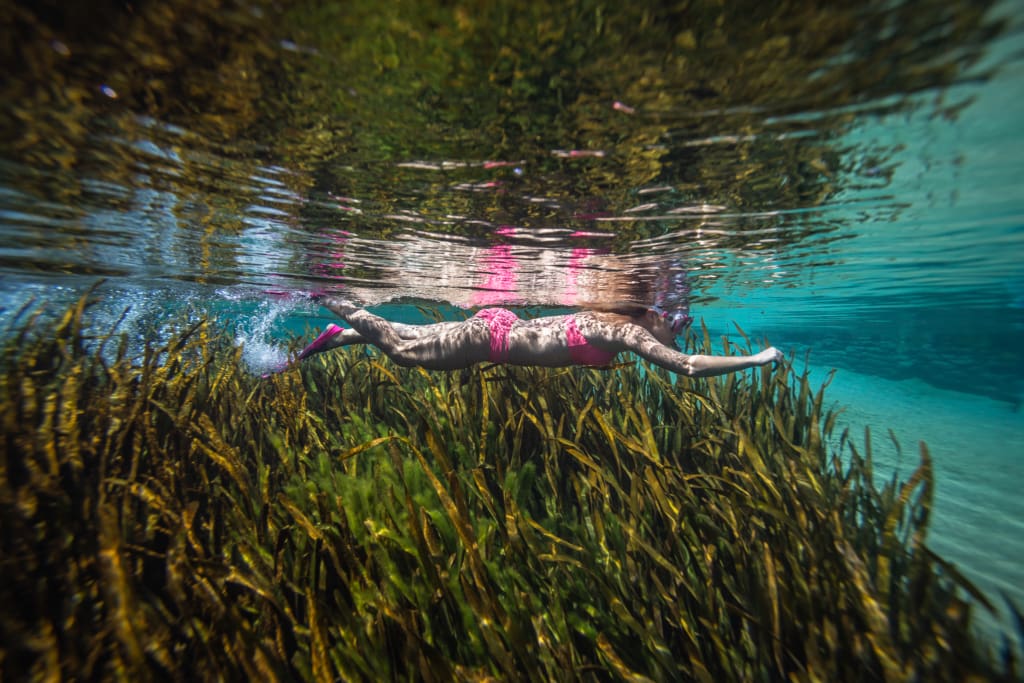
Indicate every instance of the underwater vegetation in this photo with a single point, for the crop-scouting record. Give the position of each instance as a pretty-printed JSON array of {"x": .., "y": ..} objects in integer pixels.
[{"x": 166, "y": 515}]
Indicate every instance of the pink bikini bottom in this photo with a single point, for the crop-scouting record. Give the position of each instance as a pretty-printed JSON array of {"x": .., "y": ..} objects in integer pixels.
[
  {"x": 500, "y": 321},
  {"x": 582, "y": 352}
]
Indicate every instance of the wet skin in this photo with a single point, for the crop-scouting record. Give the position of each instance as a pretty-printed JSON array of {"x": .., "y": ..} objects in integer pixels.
[{"x": 540, "y": 341}]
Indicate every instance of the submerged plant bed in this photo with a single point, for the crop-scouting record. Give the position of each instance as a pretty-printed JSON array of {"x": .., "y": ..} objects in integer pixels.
[{"x": 171, "y": 516}]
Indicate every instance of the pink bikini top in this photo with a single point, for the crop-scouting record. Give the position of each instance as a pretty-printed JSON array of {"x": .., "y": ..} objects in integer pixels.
[{"x": 582, "y": 352}]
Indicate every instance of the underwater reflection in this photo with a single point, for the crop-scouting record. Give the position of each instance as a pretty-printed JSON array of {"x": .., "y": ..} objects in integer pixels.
[{"x": 513, "y": 269}]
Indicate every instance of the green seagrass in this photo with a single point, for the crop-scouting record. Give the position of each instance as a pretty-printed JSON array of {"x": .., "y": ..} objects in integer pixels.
[{"x": 167, "y": 514}]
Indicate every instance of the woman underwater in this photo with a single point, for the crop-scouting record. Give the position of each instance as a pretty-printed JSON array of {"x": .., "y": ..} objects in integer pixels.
[{"x": 497, "y": 335}]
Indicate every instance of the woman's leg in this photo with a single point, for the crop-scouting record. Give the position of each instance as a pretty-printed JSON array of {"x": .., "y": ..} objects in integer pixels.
[
  {"x": 341, "y": 308},
  {"x": 443, "y": 346},
  {"x": 419, "y": 331}
]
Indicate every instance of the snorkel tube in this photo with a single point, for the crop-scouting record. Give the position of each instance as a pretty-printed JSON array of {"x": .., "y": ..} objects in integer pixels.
[{"x": 672, "y": 297}]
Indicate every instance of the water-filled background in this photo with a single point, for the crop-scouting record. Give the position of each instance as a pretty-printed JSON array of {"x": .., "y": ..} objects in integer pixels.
[{"x": 841, "y": 182}]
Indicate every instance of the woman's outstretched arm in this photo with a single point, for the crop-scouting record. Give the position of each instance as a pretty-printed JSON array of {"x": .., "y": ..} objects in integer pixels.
[{"x": 644, "y": 344}]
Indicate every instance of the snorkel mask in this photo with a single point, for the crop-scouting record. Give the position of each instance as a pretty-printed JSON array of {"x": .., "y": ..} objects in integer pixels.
[{"x": 677, "y": 320}]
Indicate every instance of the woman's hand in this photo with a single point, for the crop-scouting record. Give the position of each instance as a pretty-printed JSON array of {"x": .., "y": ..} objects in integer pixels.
[{"x": 769, "y": 355}]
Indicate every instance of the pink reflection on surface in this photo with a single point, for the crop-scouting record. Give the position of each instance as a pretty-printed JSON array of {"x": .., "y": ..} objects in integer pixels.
[
  {"x": 571, "y": 294},
  {"x": 502, "y": 270}
]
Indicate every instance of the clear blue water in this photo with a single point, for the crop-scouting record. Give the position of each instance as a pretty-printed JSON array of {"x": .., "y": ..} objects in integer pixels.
[{"x": 906, "y": 274}]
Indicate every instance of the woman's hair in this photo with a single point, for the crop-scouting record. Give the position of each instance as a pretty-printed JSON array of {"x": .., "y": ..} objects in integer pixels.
[
  {"x": 630, "y": 311},
  {"x": 662, "y": 286}
]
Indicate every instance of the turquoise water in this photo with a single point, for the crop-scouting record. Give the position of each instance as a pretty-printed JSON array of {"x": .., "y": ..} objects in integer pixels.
[
  {"x": 898, "y": 260},
  {"x": 922, "y": 315}
]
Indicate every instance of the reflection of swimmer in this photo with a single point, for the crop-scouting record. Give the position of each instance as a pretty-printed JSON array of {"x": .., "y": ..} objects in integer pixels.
[{"x": 497, "y": 335}]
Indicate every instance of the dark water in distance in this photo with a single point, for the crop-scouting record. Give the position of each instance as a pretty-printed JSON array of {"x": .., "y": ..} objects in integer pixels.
[{"x": 842, "y": 180}]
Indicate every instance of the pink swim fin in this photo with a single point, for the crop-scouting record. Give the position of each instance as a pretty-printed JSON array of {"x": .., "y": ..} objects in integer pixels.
[{"x": 321, "y": 343}]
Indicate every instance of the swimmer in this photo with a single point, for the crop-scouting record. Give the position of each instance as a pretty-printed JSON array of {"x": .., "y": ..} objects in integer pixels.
[{"x": 497, "y": 335}]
